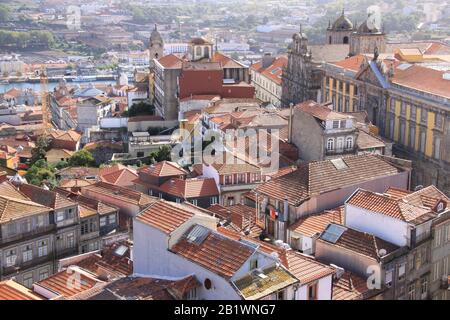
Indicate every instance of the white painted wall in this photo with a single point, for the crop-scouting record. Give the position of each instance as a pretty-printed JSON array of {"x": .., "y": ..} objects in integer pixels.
[
  {"x": 152, "y": 258},
  {"x": 324, "y": 289},
  {"x": 385, "y": 227}
]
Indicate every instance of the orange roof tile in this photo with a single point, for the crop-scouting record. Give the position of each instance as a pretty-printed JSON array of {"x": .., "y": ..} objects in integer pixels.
[
  {"x": 11, "y": 290},
  {"x": 68, "y": 282},
  {"x": 190, "y": 188},
  {"x": 165, "y": 216},
  {"x": 217, "y": 253},
  {"x": 171, "y": 61},
  {"x": 164, "y": 169},
  {"x": 317, "y": 223}
]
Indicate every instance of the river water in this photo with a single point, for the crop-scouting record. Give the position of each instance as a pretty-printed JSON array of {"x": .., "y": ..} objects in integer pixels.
[{"x": 36, "y": 86}]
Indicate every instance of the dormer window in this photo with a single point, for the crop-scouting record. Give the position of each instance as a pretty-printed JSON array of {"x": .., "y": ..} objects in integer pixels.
[{"x": 335, "y": 124}]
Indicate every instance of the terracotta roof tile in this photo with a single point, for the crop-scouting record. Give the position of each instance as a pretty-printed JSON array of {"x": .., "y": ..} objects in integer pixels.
[
  {"x": 69, "y": 282},
  {"x": 190, "y": 188},
  {"x": 217, "y": 253},
  {"x": 45, "y": 197},
  {"x": 362, "y": 243},
  {"x": 11, "y": 290},
  {"x": 304, "y": 268},
  {"x": 164, "y": 169},
  {"x": 317, "y": 223},
  {"x": 384, "y": 204},
  {"x": 323, "y": 176},
  {"x": 166, "y": 216},
  {"x": 350, "y": 287}
]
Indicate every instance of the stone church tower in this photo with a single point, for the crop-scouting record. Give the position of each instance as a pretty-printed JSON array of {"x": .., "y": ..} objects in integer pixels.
[
  {"x": 366, "y": 39},
  {"x": 156, "y": 45},
  {"x": 300, "y": 79},
  {"x": 340, "y": 31}
]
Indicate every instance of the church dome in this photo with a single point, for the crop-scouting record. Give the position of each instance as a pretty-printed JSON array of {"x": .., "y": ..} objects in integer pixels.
[
  {"x": 342, "y": 24},
  {"x": 365, "y": 29}
]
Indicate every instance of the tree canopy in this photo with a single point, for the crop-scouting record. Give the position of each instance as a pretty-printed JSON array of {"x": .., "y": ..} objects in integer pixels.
[{"x": 82, "y": 158}]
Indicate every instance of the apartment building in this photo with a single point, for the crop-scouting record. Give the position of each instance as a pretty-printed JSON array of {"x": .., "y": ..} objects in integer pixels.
[
  {"x": 410, "y": 110},
  {"x": 266, "y": 78},
  {"x": 34, "y": 234}
]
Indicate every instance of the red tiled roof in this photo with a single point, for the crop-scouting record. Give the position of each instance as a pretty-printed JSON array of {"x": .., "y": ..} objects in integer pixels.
[
  {"x": 304, "y": 268},
  {"x": 190, "y": 188},
  {"x": 216, "y": 253},
  {"x": 362, "y": 243},
  {"x": 397, "y": 209},
  {"x": 118, "y": 175},
  {"x": 45, "y": 197},
  {"x": 164, "y": 169},
  {"x": 322, "y": 176},
  {"x": 68, "y": 282},
  {"x": 316, "y": 223},
  {"x": 171, "y": 61},
  {"x": 165, "y": 216},
  {"x": 274, "y": 71},
  {"x": 10, "y": 290},
  {"x": 118, "y": 192},
  {"x": 349, "y": 287}
]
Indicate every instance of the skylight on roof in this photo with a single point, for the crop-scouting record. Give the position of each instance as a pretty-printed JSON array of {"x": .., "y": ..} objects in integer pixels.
[
  {"x": 275, "y": 70},
  {"x": 333, "y": 232},
  {"x": 197, "y": 234},
  {"x": 339, "y": 164},
  {"x": 120, "y": 251},
  {"x": 404, "y": 66}
]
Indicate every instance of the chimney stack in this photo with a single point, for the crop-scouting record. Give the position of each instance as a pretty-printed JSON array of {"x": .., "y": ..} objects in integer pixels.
[{"x": 267, "y": 60}]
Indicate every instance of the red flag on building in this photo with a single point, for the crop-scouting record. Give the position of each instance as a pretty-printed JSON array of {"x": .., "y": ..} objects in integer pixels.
[{"x": 273, "y": 213}]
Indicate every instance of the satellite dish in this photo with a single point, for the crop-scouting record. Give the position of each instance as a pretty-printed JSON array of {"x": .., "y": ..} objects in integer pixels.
[{"x": 382, "y": 252}]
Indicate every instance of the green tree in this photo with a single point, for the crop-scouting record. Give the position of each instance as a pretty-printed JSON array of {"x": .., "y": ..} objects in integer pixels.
[
  {"x": 40, "y": 149},
  {"x": 41, "y": 171},
  {"x": 141, "y": 108},
  {"x": 162, "y": 154},
  {"x": 82, "y": 158}
]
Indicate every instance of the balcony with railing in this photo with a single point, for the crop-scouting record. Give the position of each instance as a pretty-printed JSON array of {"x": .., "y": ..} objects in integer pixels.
[{"x": 25, "y": 236}]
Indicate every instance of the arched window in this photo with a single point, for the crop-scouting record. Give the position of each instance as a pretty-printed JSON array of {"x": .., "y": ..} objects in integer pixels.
[
  {"x": 345, "y": 41},
  {"x": 330, "y": 144},
  {"x": 349, "y": 143},
  {"x": 198, "y": 51}
]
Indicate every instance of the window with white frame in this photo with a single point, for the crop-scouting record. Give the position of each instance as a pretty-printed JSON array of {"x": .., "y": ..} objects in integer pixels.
[
  {"x": 27, "y": 253},
  {"x": 11, "y": 257},
  {"x": 102, "y": 221},
  {"x": 424, "y": 287},
  {"x": 43, "y": 274},
  {"x": 42, "y": 248},
  {"x": 349, "y": 143},
  {"x": 436, "y": 271},
  {"x": 401, "y": 271},
  {"x": 12, "y": 229},
  {"x": 112, "y": 218},
  {"x": 59, "y": 216},
  {"x": 330, "y": 144},
  {"x": 70, "y": 238},
  {"x": 27, "y": 280},
  {"x": 194, "y": 202},
  {"x": 388, "y": 278},
  {"x": 213, "y": 200},
  {"x": 412, "y": 292}
]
